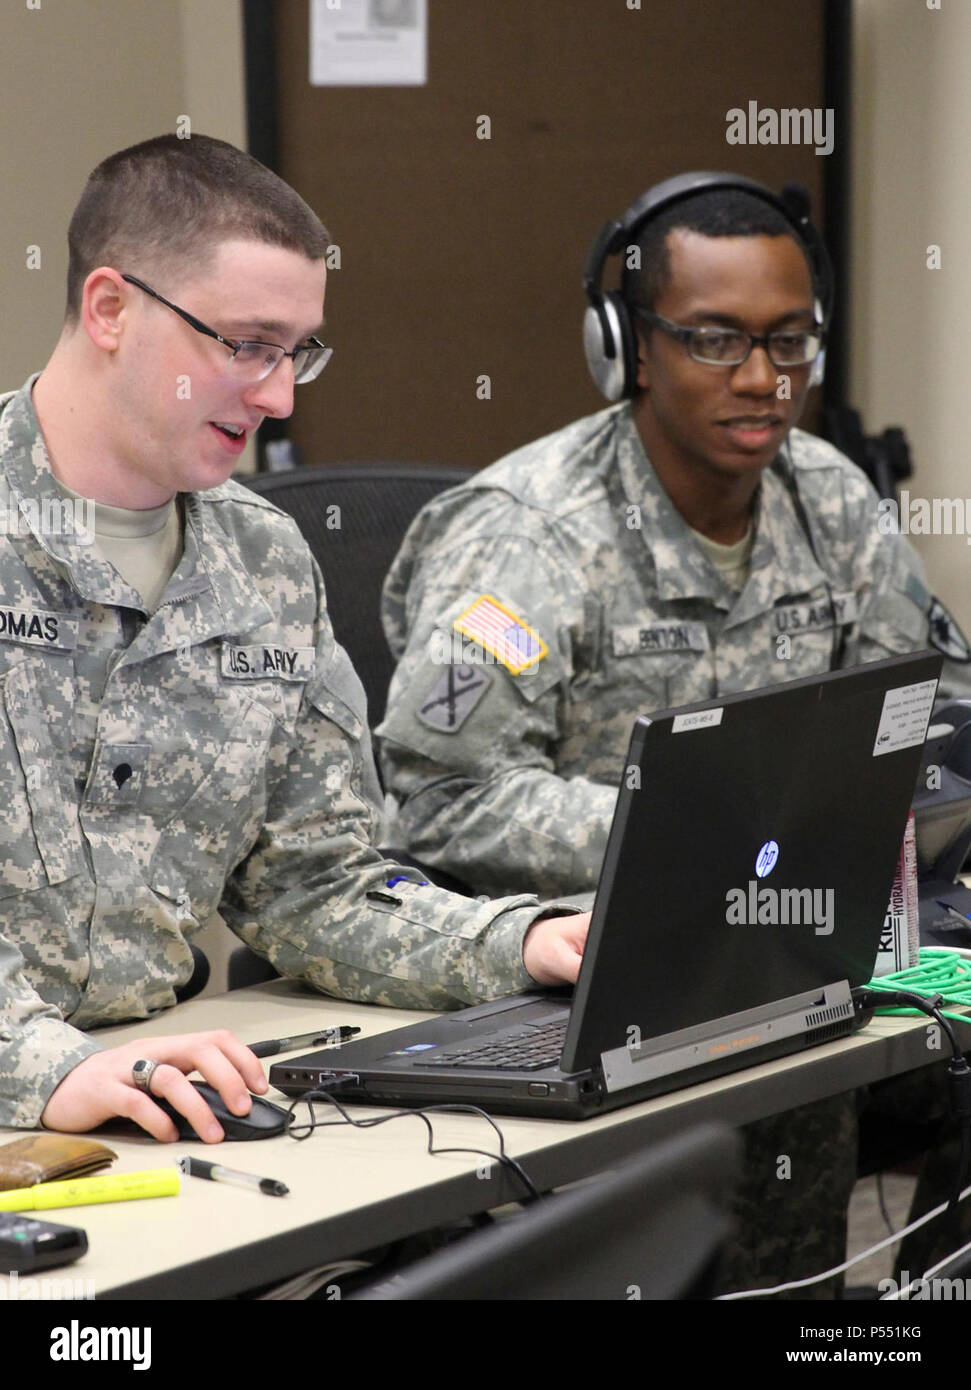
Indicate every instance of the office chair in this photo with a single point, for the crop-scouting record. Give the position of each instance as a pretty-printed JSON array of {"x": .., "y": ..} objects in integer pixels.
[
  {"x": 199, "y": 978},
  {"x": 652, "y": 1229},
  {"x": 354, "y": 517}
]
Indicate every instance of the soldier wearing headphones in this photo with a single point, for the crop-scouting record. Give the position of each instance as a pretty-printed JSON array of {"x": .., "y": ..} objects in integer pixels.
[{"x": 686, "y": 542}]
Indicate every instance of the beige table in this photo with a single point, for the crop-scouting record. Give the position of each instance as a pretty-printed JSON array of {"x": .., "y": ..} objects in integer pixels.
[{"x": 351, "y": 1190}]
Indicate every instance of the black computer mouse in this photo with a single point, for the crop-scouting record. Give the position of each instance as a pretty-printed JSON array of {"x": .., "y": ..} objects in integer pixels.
[{"x": 263, "y": 1121}]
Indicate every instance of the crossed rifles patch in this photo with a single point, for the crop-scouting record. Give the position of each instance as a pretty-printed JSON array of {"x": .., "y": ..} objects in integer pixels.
[
  {"x": 453, "y": 697},
  {"x": 501, "y": 636}
]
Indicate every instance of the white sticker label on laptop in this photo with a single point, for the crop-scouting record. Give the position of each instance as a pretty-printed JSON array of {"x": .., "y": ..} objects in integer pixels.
[
  {"x": 704, "y": 719},
  {"x": 903, "y": 720}
]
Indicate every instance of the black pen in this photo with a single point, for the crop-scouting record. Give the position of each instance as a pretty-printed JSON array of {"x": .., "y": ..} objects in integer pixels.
[
  {"x": 215, "y": 1172},
  {"x": 321, "y": 1037}
]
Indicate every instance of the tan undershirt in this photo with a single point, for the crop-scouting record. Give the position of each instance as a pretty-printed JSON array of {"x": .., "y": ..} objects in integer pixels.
[
  {"x": 731, "y": 561},
  {"x": 145, "y": 546}
]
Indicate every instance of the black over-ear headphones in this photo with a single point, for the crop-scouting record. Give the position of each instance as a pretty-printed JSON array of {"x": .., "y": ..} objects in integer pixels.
[{"x": 609, "y": 339}]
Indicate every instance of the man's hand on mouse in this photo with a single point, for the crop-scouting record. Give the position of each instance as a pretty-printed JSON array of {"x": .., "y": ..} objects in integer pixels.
[{"x": 102, "y": 1085}]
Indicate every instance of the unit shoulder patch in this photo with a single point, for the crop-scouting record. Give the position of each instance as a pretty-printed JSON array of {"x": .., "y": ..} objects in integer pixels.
[{"x": 453, "y": 697}]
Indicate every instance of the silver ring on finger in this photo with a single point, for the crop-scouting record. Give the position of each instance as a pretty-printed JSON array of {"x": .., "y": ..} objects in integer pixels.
[{"x": 142, "y": 1073}]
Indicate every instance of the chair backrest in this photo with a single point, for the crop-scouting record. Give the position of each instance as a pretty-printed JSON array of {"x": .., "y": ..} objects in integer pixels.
[
  {"x": 652, "y": 1229},
  {"x": 353, "y": 517}
]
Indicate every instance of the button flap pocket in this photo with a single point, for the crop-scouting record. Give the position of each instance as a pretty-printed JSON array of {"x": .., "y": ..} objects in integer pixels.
[
  {"x": 219, "y": 821},
  {"x": 50, "y": 797},
  {"x": 116, "y": 774},
  {"x": 339, "y": 695}
]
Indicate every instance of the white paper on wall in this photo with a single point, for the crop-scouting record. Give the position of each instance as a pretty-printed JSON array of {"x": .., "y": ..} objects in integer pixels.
[{"x": 368, "y": 43}]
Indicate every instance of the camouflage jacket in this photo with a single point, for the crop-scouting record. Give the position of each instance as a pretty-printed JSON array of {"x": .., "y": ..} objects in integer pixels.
[
  {"x": 541, "y": 606},
  {"x": 212, "y": 755}
]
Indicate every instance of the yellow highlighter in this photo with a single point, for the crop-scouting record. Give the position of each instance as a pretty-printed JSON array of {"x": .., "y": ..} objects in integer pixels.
[{"x": 80, "y": 1192}]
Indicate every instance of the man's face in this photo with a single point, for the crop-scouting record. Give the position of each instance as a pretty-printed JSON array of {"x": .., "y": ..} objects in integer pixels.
[
  {"x": 177, "y": 383},
  {"x": 698, "y": 420}
]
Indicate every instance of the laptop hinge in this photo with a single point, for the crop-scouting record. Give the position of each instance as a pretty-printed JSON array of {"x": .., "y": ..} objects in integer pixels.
[{"x": 730, "y": 1035}]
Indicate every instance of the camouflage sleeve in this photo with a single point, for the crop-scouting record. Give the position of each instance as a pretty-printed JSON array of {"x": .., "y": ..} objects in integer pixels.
[
  {"x": 37, "y": 1048},
  {"x": 898, "y": 613},
  {"x": 318, "y": 900},
  {"x": 470, "y": 742}
]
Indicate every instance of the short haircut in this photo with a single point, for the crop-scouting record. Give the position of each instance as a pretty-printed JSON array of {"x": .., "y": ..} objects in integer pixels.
[
  {"x": 162, "y": 207},
  {"x": 718, "y": 212}
]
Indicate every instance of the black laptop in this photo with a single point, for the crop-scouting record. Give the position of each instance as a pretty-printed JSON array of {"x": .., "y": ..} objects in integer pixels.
[{"x": 742, "y": 896}]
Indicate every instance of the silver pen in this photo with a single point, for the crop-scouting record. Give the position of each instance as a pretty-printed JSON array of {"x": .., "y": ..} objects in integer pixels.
[
  {"x": 216, "y": 1172},
  {"x": 320, "y": 1037}
]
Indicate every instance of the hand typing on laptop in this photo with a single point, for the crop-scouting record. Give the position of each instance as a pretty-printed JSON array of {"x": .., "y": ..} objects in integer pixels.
[{"x": 553, "y": 948}]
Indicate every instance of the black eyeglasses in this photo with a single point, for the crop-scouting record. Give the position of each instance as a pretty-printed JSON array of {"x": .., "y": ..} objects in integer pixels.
[
  {"x": 253, "y": 362},
  {"x": 730, "y": 347}
]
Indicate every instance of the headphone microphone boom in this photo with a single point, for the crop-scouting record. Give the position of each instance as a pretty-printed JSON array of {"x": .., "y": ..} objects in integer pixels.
[{"x": 609, "y": 337}]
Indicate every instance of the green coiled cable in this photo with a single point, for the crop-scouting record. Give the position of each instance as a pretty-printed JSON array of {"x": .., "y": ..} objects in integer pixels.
[{"x": 940, "y": 971}]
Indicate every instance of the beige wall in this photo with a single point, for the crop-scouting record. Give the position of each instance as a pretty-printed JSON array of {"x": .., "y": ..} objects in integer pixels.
[
  {"x": 80, "y": 79},
  {"x": 911, "y": 361}
]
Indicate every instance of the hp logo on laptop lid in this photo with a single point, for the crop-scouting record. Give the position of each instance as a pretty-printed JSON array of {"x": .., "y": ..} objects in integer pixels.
[{"x": 766, "y": 859}]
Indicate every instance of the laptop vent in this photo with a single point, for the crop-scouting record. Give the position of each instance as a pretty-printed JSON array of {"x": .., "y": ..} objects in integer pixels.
[
  {"x": 829, "y": 1034},
  {"x": 830, "y": 1015}
]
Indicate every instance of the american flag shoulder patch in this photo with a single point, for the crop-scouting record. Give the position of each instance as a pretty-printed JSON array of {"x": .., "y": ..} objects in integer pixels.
[{"x": 505, "y": 636}]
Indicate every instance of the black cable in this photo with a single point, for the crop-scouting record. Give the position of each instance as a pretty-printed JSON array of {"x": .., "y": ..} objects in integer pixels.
[
  {"x": 882, "y": 1202},
  {"x": 958, "y": 1071},
  {"x": 421, "y": 1112},
  {"x": 866, "y": 998},
  {"x": 837, "y": 645},
  {"x": 962, "y": 1168}
]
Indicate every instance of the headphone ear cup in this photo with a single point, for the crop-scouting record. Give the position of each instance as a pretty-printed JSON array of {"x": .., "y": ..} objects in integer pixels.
[
  {"x": 610, "y": 346},
  {"x": 818, "y": 369}
]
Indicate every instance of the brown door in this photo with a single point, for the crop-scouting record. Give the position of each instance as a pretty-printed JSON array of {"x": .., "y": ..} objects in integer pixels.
[{"x": 461, "y": 257}]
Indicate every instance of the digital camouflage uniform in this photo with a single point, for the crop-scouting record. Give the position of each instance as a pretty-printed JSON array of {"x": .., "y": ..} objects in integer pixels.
[
  {"x": 212, "y": 755},
  {"x": 504, "y": 763},
  {"x": 508, "y": 780}
]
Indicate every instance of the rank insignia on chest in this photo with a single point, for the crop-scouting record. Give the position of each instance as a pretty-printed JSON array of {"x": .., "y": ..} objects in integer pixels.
[{"x": 502, "y": 634}]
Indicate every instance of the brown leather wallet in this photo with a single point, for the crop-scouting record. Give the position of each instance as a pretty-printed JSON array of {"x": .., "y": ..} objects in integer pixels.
[{"x": 47, "y": 1157}]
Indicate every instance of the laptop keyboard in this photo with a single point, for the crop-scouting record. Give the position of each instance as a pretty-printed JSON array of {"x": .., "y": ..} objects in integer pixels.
[{"x": 519, "y": 1049}]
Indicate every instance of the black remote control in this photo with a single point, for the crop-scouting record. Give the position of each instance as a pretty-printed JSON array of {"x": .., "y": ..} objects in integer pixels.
[{"x": 27, "y": 1244}]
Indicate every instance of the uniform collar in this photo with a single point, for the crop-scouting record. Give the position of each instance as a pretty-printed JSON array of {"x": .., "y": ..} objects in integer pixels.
[
  {"x": 34, "y": 498},
  {"x": 210, "y": 592},
  {"x": 782, "y": 561}
]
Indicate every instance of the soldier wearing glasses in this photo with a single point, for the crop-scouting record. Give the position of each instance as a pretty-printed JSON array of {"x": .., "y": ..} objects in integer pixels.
[
  {"x": 685, "y": 542},
  {"x": 179, "y": 731}
]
